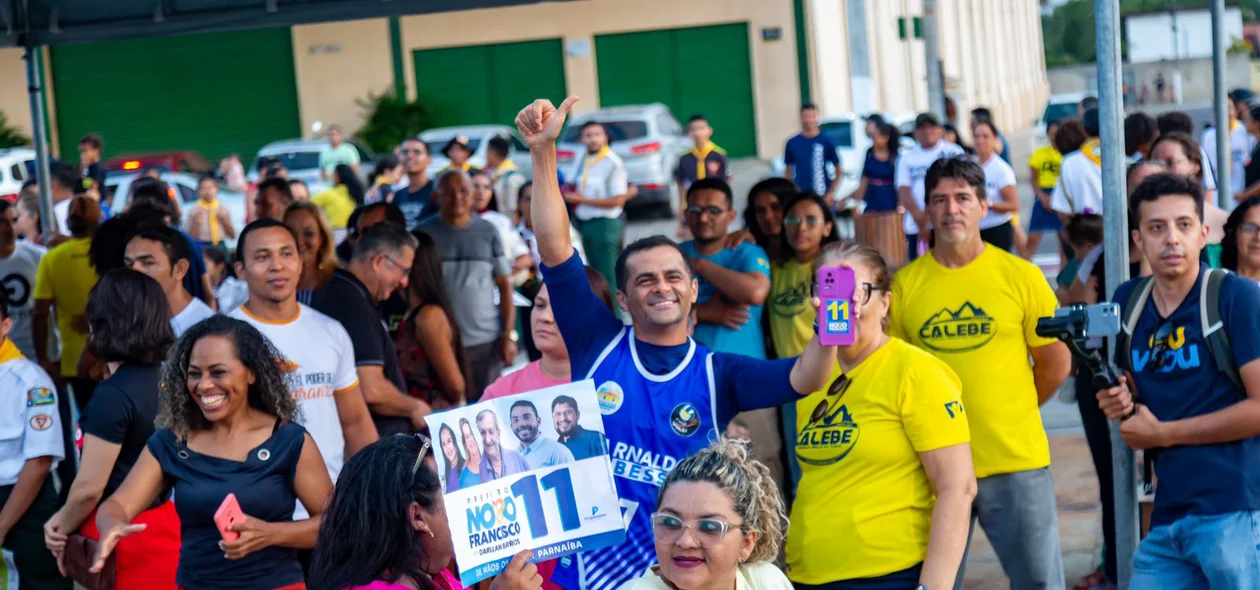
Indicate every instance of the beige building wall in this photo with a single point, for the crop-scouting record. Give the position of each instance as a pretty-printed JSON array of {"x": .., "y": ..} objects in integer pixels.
[
  {"x": 776, "y": 88},
  {"x": 992, "y": 52},
  {"x": 13, "y": 97},
  {"x": 337, "y": 65}
]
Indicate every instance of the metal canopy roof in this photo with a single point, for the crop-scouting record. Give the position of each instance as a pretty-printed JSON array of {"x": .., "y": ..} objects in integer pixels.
[{"x": 60, "y": 22}]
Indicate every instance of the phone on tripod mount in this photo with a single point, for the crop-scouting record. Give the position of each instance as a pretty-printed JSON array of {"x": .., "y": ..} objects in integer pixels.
[{"x": 1076, "y": 325}]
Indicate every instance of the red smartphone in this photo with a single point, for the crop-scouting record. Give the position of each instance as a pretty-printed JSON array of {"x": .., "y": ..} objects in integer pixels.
[
  {"x": 229, "y": 513},
  {"x": 835, "y": 290}
]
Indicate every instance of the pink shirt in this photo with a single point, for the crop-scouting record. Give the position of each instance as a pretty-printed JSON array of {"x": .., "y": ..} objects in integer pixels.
[
  {"x": 529, "y": 378},
  {"x": 443, "y": 580}
]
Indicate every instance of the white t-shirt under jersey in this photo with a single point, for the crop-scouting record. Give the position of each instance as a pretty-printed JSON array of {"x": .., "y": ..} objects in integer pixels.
[
  {"x": 192, "y": 313},
  {"x": 17, "y": 280},
  {"x": 320, "y": 357},
  {"x": 997, "y": 176},
  {"x": 1240, "y": 144},
  {"x": 912, "y": 167},
  {"x": 1079, "y": 189}
]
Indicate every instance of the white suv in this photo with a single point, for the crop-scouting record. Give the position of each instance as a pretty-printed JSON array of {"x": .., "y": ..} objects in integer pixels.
[{"x": 15, "y": 169}]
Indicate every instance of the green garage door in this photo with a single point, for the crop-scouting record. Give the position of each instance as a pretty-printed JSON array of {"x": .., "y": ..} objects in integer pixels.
[
  {"x": 487, "y": 84},
  {"x": 216, "y": 93},
  {"x": 702, "y": 70}
]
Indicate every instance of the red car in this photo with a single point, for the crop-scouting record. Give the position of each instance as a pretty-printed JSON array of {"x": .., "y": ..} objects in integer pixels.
[{"x": 180, "y": 161}]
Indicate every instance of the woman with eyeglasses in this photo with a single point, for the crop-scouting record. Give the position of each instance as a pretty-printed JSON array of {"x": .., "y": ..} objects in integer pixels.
[
  {"x": 808, "y": 226},
  {"x": 1240, "y": 250},
  {"x": 885, "y": 457},
  {"x": 386, "y": 527},
  {"x": 718, "y": 525},
  {"x": 316, "y": 245},
  {"x": 225, "y": 427}
]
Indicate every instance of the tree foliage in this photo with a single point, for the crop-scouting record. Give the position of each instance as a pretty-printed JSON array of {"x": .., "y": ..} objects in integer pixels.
[
  {"x": 9, "y": 136},
  {"x": 390, "y": 119}
]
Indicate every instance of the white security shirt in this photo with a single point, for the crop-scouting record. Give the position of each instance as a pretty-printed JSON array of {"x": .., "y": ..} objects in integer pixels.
[
  {"x": 600, "y": 176},
  {"x": 30, "y": 426}
]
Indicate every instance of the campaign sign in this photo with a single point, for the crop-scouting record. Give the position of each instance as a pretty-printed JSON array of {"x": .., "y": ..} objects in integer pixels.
[{"x": 528, "y": 471}]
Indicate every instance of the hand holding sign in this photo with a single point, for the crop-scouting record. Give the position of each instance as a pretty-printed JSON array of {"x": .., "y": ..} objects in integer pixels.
[
  {"x": 514, "y": 489},
  {"x": 519, "y": 574}
]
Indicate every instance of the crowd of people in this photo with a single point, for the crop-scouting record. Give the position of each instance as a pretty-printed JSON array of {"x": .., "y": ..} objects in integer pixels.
[{"x": 151, "y": 372}]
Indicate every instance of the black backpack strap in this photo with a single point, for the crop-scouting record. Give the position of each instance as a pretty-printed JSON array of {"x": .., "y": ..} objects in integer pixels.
[
  {"x": 1213, "y": 327},
  {"x": 1132, "y": 312}
]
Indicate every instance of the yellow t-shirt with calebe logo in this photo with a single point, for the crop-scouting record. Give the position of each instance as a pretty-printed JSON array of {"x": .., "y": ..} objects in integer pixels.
[
  {"x": 864, "y": 504},
  {"x": 791, "y": 312},
  {"x": 981, "y": 320}
]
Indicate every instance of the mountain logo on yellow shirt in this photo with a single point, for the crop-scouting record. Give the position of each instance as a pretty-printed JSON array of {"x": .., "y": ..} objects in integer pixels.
[
  {"x": 966, "y": 329},
  {"x": 829, "y": 437}
]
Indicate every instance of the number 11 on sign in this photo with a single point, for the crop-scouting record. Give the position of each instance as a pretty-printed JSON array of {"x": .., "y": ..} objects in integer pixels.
[{"x": 559, "y": 481}]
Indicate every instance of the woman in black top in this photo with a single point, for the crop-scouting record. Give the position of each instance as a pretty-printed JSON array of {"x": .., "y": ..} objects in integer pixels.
[
  {"x": 226, "y": 428},
  {"x": 127, "y": 317}
]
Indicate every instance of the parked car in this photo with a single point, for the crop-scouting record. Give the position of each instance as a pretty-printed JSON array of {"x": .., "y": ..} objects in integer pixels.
[
  {"x": 301, "y": 158},
  {"x": 478, "y": 140},
  {"x": 183, "y": 188},
  {"x": 649, "y": 140},
  {"x": 848, "y": 131},
  {"x": 1059, "y": 107},
  {"x": 177, "y": 161},
  {"x": 15, "y": 168}
]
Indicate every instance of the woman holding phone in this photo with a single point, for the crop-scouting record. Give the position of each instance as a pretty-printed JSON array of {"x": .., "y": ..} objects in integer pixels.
[
  {"x": 226, "y": 429},
  {"x": 906, "y": 484},
  {"x": 127, "y": 317}
]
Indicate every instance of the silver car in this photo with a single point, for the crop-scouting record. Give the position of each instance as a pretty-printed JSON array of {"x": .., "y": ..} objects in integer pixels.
[
  {"x": 301, "y": 158},
  {"x": 184, "y": 185},
  {"x": 649, "y": 140},
  {"x": 478, "y": 137}
]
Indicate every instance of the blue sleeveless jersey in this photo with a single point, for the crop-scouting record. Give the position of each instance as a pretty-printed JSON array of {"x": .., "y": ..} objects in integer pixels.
[{"x": 652, "y": 422}]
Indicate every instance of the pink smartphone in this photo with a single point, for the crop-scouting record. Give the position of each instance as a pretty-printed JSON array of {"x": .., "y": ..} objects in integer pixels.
[
  {"x": 229, "y": 513},
  {"x": 835, "y": 288}
]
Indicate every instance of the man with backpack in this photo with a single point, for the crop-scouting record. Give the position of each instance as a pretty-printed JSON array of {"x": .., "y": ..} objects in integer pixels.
[{"x": 1191, "y": 348}]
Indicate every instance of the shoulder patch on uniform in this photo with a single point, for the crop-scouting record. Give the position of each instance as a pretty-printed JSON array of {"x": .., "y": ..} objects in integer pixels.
[
  {"x": 41, "y": 422},
  {"x": 40, "y": 396}
]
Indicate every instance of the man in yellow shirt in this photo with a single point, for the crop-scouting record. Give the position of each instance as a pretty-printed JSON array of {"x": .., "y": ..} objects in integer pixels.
[{"x": 976, "y": 308}]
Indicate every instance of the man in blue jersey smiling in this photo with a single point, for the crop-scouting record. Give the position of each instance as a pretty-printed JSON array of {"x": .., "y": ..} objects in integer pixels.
[{"x": 661, "y": 394}]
